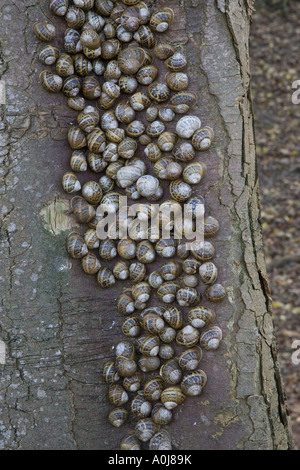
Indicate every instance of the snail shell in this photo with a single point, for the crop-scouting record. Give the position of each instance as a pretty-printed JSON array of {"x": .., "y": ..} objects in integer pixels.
[
  {"x": 76, "y": 138},
  {"x": 155, "y": 310},
  {"x": 184, "y": 152},
  {"x": 177, "y": 81},
  {"x": 161, "y": 415},
  {"x": 125, "y": 349},
  {"x": 48, "y": 54},
  {"x": 72, "y": 43},
  {"x": 59, "y": 7},
  {"x": 188, "y": 296},
  {"x": 171, "y": 270},
  {"x": 115, "y": 135},
  {"x": 161, "y": 440},
  {"x": 163, "y": 50},
  {"x": 187, "y": 125},
  {"x": 111, "y": 172},
  {"x": 153, "y": 323},
  {"x": 110, "y": 153},
  {"x": 140, "y": 407},
  {"x": 190, "y": 358},
  {"x": 90, "y": 38},
  {"x": 76, "y": 246},
  {"x": 215, "y": 293},
  {"x": 84, "y": 4},
  {"x": 194, "y": 172},
  {"x": 96, "y": 140},
  {"x": 92, "y": 192},
  {"x": 172, "y": 397},
  {"x": 88, "y": 119},
  {"x": 105, "y": 278},
  {"x": 112, "y": 71},
  {"x": 75, "y": 17},
  {"x": 190, "y": 280},
  {"x": 82, "y": 210},
  {"x": 195, "y": 206},
  {"x": 77, "y": 103},
  {"x": 137, "y": 272},
  {"x": 117, "y": 395},
  {"x": 121, "y": 270},
  {"x": 149, "y": 363},
  {"x": 91, "y": 239},
  {"x": 200, "y": 316},
  {"x": 104, "y": 7},
  {"x": 173, "y": 317},
  {"x": 208, "y": 272},
  {"x": 145, "y": 429},
  {"x": 135, "y": 129},
  {"x": 171, "y": 372},
  {"x": 125, "y": 304},
  {"x": 141, "y": 291},
  {"x": 92, "y": 54},
  {"x": 90, "y": 87},
  {"x": 166, "y": 141},
  {"x": 110, "y": 373},
  {"x": 110, "y": 48},
  {"x": 70, "y": 183},
  {"x": 71, "y": 86},
  {"x": 124, "y": 113},
  {"x": 211, "y": 227},
  {"x": 95, "y": 20},
  {"x": 155, "y": 280},
  {"x": 128, "y": 84},
  {"x": 202, "y": 138},
  {"x": 153, "y": 152},
  {"x": 131, "y": 59},
  {"x": 158, "y": 92},
  {"x": 166, "y": 351},
  {"x": 183, "y": 101},
  {"x": 105, "y": 101},
  {"x": 153, "y": 388},
  {"x": 111, "y": 89},
  {"x": 51, "y": 82},
  {"x": 145, "y": 37},
  {"x": 155, "y": 129},
  {"x": 82, "y": 65},
  {"x": 148, "y": 345},
  {"x": 127, "y": 148},
  {"x": 166, "y": 247},
  {"x": 106, "y": 184},
  {"x": 130, "y": 19},
  {"x": 44, "y": 31},
  {"x": 167, "y": 291},
  {"x": 166, "y": 114},
  {"x": 117, "y": 417},
  {"x": 147, "y": 74},
  {"x": 182, "y": 251},
  {"x": 139, "y": 101},
  {"x": 96, "y": 162},
  {"x": 180, "y": 191},
  {"x": 203, "y": 251},
  {"x": 193, "y": 383},
  {"x": 133, "y": 383},
  {"x": 147, "y": 185},
  {"x": 167, "y": 335},
  {"x": 132, "y": 192},
  {"x": 107, "y": 249},
  {"x": 188, "y": 336},
  {"x": 99, "y": 67},
  {"x": 126, "y": 249},
  {"x": 90, "y": 263},
  {"x": 151, "y": 114},
  {"x": 130, "y": 442},
  {"x": 161, "y": 20},
  {"x": 125, "y": 366},
  {"x": 176, "y": 62}
]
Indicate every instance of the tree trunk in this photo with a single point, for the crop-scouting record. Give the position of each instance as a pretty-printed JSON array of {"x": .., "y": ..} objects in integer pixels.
[{"x": 58, "y": 325}]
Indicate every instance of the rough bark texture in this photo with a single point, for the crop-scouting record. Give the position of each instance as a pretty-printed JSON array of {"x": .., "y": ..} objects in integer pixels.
[{"x": 58, "y": 325}]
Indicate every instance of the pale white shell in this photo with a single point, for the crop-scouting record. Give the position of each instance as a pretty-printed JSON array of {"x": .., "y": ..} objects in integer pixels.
[
  {"x": 147, "y": 185},
  {"x": 187, "y": 125}
]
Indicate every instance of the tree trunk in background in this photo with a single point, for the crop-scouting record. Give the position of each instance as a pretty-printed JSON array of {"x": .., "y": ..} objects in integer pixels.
[{"x": 58, "y": 325}]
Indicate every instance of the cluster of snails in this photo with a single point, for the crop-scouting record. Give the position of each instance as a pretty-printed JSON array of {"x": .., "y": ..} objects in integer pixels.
[{"x": 110, "y": 51}]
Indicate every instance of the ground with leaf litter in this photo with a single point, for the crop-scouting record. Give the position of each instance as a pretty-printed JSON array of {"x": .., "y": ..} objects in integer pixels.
[{"x": 275, "y": 45}]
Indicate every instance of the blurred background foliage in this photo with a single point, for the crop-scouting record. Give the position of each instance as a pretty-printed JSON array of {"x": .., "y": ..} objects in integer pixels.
[{"x": 275, "y": 65}]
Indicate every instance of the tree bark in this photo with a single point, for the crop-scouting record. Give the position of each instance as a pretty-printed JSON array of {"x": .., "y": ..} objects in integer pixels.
[{"x": 58, "y": 325}]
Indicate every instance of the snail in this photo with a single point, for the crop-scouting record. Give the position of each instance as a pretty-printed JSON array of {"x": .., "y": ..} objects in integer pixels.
[
  {"x": 92, "y": 192},
  {"x": 77, "y": 103},
  {"x": 187, "y": 126},
  {"x": 161, "y": 415},
  {"x": 141, "y": 291},
  {"x": 161, "y": 440},
  {"x": 155, "y": 280},
  {"x": 44, "y": 31},
  {"x": 125, "y": 349},
  {"x": 166, "y": 114},
  {"x": 183, "y": 101},
  {"x": 201, "y": 316},
  {"x": 107, "y": 249},
  {"x": 193, "y": 383},
  {"x": 159, "y": 92},
  {"x": 163, "y": 50},
  {"x": 203, "y": 251},
  {"x": 149, "y": 363},
  {"x": 121, "y": 270},
  {"x": 145, "y": 252},
  {"x": 153, "y": 388},
  {"x": 137, "y": 272},
  {"x": 117, "y": 395},
  {"x": 171, "y": 372},
  {"x": 202, "y": 138},
  {"x": 166, "y": 141},
  {"x": 64, "y": 65},
  {"x": 211, "y": 227},
  {"x": 133, "y": 383},
  {"x": 70, "y": 183},
  {"x": 72, "y": 43},
  {"x": 117, "y": 417},
  {"x": 128, "y": 84},
  {"x": 90, "y": 87},
  {"x": 147, "y": 74},
  {"x": 126, "y": 249},
  {"x": 176, "y": 62},
  {"x": 155, "y": 128},
  {"x": 166, "y": 247},
  {"x": 130, "y": 442},
  {"x": 59, "y": 7},
  {"x": 145, "y": 429},
  {"x": 51, "y": 82},
  {"x": 171, "y": 270},
  {"x": 91, "y": 239},
  {"x": 139, "y": 101},
  {"x": 208, "y": 273},
  {"x": 148, "y": 344},
  {"x": 71, "y": 86},
  {"x": 140, "y": 407},
  {"x": 96, "y": 162},
  {"x": 131, "y": 59},
  {"x": 88, "y": 119},
  {"x": 190, "y": 358},
  {"x": 167, "y": 291},
  {"x": 48, "y": 54},
  {"x": 105, "y": 278},
  {"x": 96, "y": 140},
  {"x": 167, "y": 334},
  {"x": 131, "y": 326},
  {"x": 76, "y": 246},
  {"x": 177, "y": 81},
  {"x": 188, "y": 296},
  {"x": 184, "y": 152},
  {"x": 190, "y": 280},
  {"x": 90, "y": 263},
  {"x": 153, "y": 152},
  {"x": 106, "y": 184},
  {"x": 215, "y": 293},
  {"x": 151, "y": 114},
  {"x": 75, "y": 17},
  {"x": 166, "y": 351},
  {"x": 210, "y": 339},
  {"x": 76, "y": 138},
  {"x": 125, "y": 366},
  {"x": 153, "y": 323},
  {"x": 188, "y": 336},
  {"x": 194, "y": 172},
  {"x": 180, "y": 191},
  {"x": 135, "y": 128},
  {"x": 110, "y": 373},
  {"x": 173, "y": 317},
  {"x": 161, "y": 20},
  {"x": 82, "y": 210},
  {"x": 172, "y": 396},
  {"x": 145, "y": 37},
  {"x": 125, "y": 304}
]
